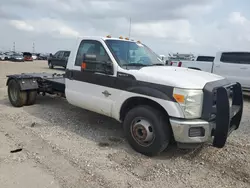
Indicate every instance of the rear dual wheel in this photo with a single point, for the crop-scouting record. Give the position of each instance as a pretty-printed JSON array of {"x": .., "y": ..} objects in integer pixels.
[
  {"x": 31, "y": 97},
  {"x": 20, "y": 98}
]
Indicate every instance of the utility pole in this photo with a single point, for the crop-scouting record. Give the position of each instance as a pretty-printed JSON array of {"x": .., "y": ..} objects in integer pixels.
[
  {"x": 14, "y": 46},
  {"x": 33, "y": 47}
]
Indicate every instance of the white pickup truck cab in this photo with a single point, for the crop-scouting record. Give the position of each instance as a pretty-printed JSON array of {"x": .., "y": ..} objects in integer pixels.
[
  {"x": 235, "y": 66},
  {"x": 127, "y": 81}
]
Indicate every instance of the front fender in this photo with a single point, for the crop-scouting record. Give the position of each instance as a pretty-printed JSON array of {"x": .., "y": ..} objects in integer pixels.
[
  {"x": 152, "y": 92},
  {"x": 172, "y": 108}
]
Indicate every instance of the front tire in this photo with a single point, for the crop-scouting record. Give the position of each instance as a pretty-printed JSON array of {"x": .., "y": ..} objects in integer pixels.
[
  {"x": 147, "y": 130},
  {"x": 17, "y": 97}
]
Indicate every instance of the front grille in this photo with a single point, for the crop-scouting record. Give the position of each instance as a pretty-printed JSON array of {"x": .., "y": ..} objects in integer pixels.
[
  {"x": 232, "y": 96},
  {"x": 222, "y": 106},
  {"x": 209, "y": 109}
]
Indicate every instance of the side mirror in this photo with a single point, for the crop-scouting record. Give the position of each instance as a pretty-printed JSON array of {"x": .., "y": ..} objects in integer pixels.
[
  {"x": 89, "y": 57},
  {"x": 91, "y": 64}
]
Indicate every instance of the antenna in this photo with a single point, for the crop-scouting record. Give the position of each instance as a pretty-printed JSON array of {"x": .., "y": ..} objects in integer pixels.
[{"x": 129, "y": 27}]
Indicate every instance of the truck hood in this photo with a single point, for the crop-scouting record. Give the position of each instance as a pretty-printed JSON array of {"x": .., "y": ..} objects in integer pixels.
[{"x": 175, "y": 76}]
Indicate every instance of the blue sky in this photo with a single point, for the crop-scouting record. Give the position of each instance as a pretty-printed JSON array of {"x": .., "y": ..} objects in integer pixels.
[{"x": 196, "y": 26}]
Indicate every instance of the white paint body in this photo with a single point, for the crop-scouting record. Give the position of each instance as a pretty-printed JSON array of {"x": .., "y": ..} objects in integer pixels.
[
  {"x": 234, "y": 72},
  {"x": 90, "y": 97}
]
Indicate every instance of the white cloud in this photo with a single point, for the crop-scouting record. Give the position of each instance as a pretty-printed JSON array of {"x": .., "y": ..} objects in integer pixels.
[
  {"x": 173, "y": 30},
  {"x": 45, "y": 25},
  {"x": 199, "y": 26},
  {"x": 231, "y": 33},
  {"x": 21, "y": 25},
  {"x": 66, "y": 31},
  {"x": 237, "y": 18}
]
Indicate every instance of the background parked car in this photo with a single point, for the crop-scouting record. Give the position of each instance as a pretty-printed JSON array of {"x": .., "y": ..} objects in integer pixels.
[
  {"x": 60, "y": 59},
  {"x": 27, "y": 56},
  {"x": 17, "y": 57},
  {"x": 7, "y": 55},
  {"x": 42, "y": 56},
  {"x": 2, "y": 56},
  {"x": 34, "y": 56}
]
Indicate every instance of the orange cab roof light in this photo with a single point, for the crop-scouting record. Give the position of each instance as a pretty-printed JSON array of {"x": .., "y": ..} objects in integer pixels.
[
  {"x": 120, "y": 37},
  {"x": 108, "y": 36}
]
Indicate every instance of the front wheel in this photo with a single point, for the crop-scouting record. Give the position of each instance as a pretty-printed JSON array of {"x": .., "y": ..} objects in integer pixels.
[{"x": 147, "y": 130}]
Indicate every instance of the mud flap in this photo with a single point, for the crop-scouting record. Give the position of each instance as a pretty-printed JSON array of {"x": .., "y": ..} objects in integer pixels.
[{"x": 228, "y": 116}]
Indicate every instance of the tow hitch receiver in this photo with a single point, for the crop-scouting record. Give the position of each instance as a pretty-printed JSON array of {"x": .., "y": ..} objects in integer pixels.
[{"x": 228, "y": 116}]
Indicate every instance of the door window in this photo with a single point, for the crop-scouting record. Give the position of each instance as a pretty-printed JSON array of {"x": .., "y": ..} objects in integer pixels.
[
  {"x": 205, "y": 58},
  {"x": 57, "y": 54},
  {"x": 94, "y": 48},
  {"x": 66, "y": 54},
  {"x": 236, "y": 57},
  {"x": 60, "y": 55}
]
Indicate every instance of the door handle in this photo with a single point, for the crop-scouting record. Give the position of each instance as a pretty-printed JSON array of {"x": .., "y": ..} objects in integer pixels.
[{"x": 106, "y": 93}]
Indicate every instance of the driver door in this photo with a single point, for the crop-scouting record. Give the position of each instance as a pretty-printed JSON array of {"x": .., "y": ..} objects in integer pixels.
[
  {"x": 90, "y": 90},
  {"x": 54, "y": 58}
]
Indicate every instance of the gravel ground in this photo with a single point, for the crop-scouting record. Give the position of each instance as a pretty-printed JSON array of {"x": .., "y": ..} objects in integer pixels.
[{"x": 65, "y": 146}]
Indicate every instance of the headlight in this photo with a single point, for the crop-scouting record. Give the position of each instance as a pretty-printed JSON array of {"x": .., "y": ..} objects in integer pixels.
[{"x": 190, "y": 101}]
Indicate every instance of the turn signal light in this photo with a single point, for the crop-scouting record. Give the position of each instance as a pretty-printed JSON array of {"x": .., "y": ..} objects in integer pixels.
[
  {"x": 179, "y": 64},
  {"x": 83, "y": 66},
  {"x": 179, "y": 98}
]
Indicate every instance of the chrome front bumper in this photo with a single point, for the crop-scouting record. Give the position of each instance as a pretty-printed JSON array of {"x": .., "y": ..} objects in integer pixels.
[
  {"x": 221, "y": 115},
  {"x": 182, "y": 134}
]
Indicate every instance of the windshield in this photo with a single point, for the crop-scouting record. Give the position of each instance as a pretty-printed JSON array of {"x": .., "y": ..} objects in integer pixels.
[{"x": 131, "y": 53}]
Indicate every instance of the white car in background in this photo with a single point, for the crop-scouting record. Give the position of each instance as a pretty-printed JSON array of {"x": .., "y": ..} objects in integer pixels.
[
  {"x": 34, "y": 56},
  {"x": 2, "y": 56},
  {"x": 235, "y": 66}
]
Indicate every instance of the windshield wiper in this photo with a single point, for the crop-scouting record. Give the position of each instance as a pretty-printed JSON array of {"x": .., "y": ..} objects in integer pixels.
[
  {"x": 157, "y": 64},
  {"x": 135, "y": 64}
]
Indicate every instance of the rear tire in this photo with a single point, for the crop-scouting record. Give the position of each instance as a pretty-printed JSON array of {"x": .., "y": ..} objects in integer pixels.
[
  {"x": 17, "y": 97},
  {"x": 147, "y": 130},
  {"x": 31, "y": 97}
]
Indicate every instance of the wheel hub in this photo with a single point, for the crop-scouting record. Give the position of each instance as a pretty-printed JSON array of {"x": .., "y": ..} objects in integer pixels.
[{"x": 142, "y": 132}]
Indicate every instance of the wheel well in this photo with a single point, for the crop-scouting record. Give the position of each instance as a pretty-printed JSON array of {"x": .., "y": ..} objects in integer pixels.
[{"x": 135, "y": 101}]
